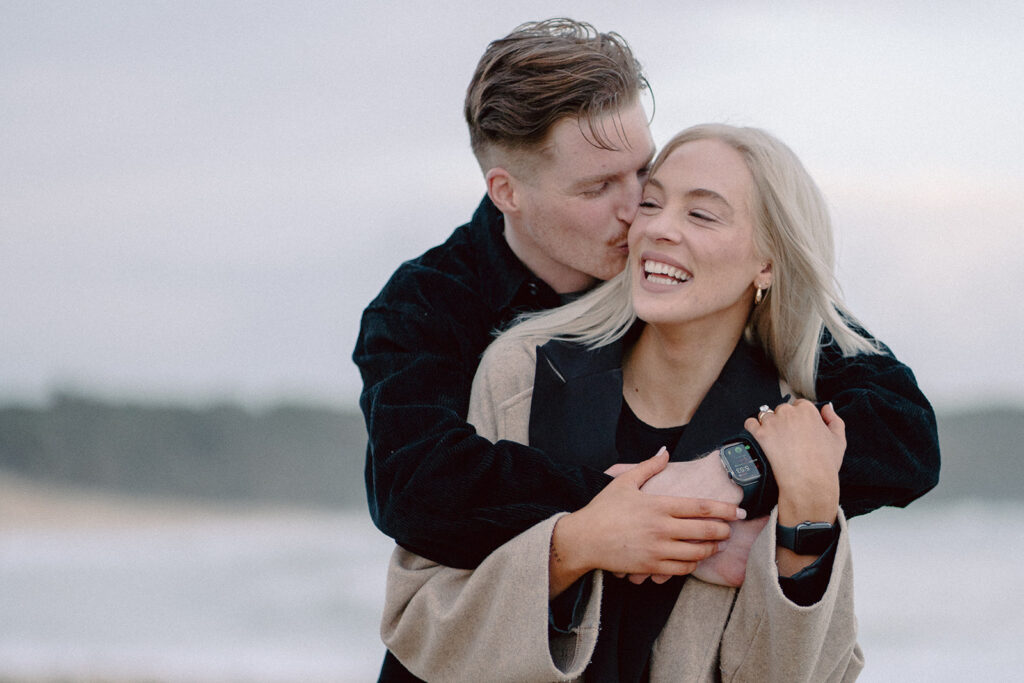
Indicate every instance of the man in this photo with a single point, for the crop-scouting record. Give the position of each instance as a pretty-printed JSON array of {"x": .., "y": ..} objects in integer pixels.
[{"x": 557, "y": 125}]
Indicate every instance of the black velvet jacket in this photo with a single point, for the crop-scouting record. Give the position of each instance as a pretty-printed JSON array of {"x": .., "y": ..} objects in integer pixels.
[{"x": 449, "y": 495}]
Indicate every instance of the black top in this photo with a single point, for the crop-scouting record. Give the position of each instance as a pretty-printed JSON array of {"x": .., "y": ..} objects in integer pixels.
[{"x": 636, "y": 440}]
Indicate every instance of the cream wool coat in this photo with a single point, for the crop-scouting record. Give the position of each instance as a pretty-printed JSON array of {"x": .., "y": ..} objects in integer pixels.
[{"x": 491, "y": 623}]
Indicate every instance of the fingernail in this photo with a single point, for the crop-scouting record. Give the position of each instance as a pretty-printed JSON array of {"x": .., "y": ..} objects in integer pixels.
[
  {"x": 741, "y": 513},
  {"x": 663, "y": 450}
]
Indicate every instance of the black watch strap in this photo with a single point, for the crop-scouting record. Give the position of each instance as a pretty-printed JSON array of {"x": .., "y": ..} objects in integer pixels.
[
  {"x": 751, "y": 495},
  {"x": 807, "y": 538}
]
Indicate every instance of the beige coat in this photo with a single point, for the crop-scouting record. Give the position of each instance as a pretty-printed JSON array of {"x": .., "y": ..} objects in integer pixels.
[{"x": 491, "y": 623}]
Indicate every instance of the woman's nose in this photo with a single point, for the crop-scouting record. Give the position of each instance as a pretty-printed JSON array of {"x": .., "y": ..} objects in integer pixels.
[{"x": 659, "y": 226}]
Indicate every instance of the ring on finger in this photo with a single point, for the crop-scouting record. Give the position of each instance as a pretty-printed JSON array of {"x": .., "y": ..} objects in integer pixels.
[{"x": 762, "y": 411}]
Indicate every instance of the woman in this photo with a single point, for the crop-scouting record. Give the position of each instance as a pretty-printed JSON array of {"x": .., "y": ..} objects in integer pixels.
[{"x": 730, "y": 277}]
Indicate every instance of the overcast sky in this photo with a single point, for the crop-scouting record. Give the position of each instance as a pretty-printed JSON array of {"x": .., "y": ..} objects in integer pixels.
[{"x": 198, "y": 198}]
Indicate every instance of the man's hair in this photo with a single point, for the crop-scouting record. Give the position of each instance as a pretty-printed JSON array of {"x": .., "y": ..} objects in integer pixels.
[{"x": 543, "y": 72}]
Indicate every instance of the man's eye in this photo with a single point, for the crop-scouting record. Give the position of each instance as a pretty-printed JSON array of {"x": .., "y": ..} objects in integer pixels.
[{"x": 595, "y": 191}]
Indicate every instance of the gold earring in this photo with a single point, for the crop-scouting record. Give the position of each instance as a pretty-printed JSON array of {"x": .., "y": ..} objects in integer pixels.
[{"x": 759, "y": 295}]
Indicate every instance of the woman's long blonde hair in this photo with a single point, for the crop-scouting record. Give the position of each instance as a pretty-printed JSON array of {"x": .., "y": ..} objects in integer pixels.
[{"x": 792, "y": 229}]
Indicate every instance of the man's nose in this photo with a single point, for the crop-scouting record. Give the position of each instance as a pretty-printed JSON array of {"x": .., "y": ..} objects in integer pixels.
[{"x": 629, "y": 203}]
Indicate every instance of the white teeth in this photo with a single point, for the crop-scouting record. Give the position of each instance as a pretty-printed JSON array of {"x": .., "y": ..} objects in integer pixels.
[
  {"x": 662, "y": 280},
  {"x": 655, "y": 269}
]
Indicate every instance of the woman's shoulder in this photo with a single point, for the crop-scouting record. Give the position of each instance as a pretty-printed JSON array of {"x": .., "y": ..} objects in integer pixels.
[
  {"x": 511, "y": 349},
  {"x": 500, "y": 401},
  {"x": 509, "y": 362}
]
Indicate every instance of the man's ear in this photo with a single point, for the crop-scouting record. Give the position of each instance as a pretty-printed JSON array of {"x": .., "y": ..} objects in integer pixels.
[{"x": 501, "y": 188}]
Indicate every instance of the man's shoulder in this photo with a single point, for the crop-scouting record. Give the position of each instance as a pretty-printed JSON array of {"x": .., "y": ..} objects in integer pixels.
[
  {"x": 456, "y": 264},
  {"x": 451, "y": 259}
]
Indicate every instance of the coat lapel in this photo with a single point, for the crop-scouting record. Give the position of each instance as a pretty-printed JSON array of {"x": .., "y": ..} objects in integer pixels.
[
  {"x": 577, "y": 398},
  {"x": 747, "y": 381}
]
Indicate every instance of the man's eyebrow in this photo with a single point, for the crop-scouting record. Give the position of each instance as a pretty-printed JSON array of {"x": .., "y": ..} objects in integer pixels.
[{"x": 650, "y": 160}]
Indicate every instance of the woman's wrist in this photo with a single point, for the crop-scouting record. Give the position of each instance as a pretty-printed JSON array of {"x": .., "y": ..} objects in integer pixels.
[{"x": 818, "y": 507}]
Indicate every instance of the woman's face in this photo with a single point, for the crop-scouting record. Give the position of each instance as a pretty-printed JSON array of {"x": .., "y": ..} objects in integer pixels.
[{"x": 691, "y": 245}]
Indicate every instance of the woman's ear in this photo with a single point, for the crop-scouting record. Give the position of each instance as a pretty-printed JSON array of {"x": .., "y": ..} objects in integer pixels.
[
  {"x": 765, "y": 277},
  {"x": 501, "y": 188}
]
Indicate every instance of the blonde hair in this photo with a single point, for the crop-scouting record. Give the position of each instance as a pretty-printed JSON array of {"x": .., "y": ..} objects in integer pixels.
[{"x": 792, "y": 229}]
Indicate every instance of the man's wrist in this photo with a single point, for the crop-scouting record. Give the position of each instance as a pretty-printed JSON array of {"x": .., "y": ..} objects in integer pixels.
[{"x": 563, "y": 569}]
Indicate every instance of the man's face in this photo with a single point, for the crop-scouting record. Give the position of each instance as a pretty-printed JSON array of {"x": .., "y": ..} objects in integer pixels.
[{"x": 577, "y": 202}]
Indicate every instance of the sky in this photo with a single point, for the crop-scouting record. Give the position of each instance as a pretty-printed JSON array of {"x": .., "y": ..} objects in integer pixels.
[{"x": 197, "y": 199}]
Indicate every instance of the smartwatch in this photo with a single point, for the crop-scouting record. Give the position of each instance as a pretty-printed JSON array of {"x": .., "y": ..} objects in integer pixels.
[
  {"x": 748, "y": 468},
  {"x": 807, "y": 538}
]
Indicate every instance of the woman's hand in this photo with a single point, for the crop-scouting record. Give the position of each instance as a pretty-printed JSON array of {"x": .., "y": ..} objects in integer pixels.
[
  {"x": 624, "y": 530},
  {"x": 805, "y": 449}
]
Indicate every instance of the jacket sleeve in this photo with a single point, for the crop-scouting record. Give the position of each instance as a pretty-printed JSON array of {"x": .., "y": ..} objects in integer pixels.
[
  {"x": 892, "y": 450},
  {"x": 490, "y": 623},
  {"x": 770, "y": 638},
  {"x": 755, "y": 633},
  {"x": 433, "y": 484}
]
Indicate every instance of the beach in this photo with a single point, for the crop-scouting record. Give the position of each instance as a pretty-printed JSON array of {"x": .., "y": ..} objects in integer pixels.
[{"x": 114, "y": 588}]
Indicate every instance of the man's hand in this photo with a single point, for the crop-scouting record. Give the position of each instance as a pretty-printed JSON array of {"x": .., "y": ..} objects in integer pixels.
[{"x": 625, "y": 530}]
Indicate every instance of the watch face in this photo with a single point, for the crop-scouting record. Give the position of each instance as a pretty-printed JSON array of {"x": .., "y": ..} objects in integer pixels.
[
  {"x": 742, "y": 467},
  {"x": 812, "y": 538}
]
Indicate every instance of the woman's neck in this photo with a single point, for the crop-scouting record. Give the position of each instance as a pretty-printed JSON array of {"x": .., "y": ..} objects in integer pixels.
[{"x": 668, "y": 371}]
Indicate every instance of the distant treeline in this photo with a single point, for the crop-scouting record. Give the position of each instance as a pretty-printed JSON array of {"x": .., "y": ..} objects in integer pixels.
[
  {"x": 293, "y": 454},
  {"x": 314, "y": 456}
]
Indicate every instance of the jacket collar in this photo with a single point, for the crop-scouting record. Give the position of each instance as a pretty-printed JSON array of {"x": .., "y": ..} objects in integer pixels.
[
  {"x": 577, "y": 398},
  {"x": 506, "y": 283}
]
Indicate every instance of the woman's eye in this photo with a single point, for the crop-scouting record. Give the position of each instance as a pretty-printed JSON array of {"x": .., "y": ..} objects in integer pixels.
[
  {"x": 648, "y": 204},
  {"x": 702, "y": 215}
]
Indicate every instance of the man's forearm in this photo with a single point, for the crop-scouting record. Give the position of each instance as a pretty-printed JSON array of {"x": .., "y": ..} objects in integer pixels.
[
  {"x": 454, "y": 497},
  {"x": 892, "y": 451}
]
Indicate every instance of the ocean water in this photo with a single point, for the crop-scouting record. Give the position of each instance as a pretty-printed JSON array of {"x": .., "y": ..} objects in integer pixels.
[{"x": 285, "y": 596}]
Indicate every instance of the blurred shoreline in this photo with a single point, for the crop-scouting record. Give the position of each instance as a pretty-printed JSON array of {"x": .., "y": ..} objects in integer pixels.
[{"x": 35, "y": 504}]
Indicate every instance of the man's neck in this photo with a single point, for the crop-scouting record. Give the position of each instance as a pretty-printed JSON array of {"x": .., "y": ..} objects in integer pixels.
[{"x": 558, "y": 276}]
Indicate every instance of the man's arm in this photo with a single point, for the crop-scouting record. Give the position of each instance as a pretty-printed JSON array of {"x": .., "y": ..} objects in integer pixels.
[
  {"x": 892, "y": 451},
  {"x": 433, "y": 485}
]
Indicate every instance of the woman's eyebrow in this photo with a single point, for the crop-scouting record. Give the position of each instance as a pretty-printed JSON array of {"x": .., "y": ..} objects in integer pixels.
[{"x": 705, "y": 193}]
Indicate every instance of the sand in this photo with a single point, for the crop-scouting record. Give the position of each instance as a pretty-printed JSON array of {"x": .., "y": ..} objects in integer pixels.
[{"x": 33, "y": 504}]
